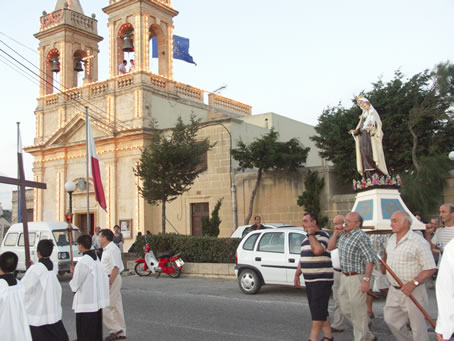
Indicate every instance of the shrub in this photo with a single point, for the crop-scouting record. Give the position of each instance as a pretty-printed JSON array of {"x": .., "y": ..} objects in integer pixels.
[
  {"x": 210, "y": 227},
  {"x": 192, "y": 248}
]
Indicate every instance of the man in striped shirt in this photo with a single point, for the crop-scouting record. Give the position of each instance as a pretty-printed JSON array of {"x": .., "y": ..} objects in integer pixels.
[
  {"x": 445, "y": 234},
  {"x": 315, "y": 265},
  {"x": 357, "y": 262}
]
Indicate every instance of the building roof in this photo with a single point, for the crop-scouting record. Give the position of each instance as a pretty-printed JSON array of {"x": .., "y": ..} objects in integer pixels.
[{"x": 72, "y": 4}]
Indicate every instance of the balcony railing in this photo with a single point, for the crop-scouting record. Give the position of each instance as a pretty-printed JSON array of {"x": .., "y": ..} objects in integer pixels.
[{"x": 131, "y": 81}]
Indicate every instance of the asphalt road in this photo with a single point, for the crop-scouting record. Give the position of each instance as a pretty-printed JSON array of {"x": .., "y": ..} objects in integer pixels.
[{"x": 190, "y": 308}]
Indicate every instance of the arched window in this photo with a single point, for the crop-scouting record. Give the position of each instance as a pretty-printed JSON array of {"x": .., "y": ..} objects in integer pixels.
[
  {"x": 157, "y": 46},
  {"x": 80, "y": 67},
  {"x": 52, "y": 72},
  {"x": 125, "y": 52}
]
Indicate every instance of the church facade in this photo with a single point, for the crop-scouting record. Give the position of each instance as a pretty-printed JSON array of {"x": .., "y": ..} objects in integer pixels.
[{"x": 121, "y": 109}]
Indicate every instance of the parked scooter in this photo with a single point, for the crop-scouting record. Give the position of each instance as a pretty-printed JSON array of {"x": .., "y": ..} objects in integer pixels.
[{"x": 168, "y": 263}]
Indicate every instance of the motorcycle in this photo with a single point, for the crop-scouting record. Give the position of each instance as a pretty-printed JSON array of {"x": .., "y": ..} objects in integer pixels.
[{"x": 168, "y": 263}]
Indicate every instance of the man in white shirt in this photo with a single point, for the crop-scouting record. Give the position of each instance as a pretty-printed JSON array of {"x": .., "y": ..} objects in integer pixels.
[
  {"x": 113, "y": 316},
  {"x": 122, "y": 68},
  {"x": 91, "y": 287},
  {"x": 132, "y": 66},
  {"x": 95, "y": 238},
  {"x": 43, "y": 297},
  {"x": 13, "y": 319},
  {"x": 409, "y": 256},
  {"x": 445, "y": 295}
]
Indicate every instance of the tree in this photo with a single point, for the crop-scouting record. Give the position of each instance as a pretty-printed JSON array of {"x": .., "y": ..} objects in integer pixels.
[
  {"x": 210, "y": 227},
  {"x": 417, "y": 123},
  {"x": 170, "y": 164},
  {"x": 268, "y": 154},
  {"x": 310, "y": 198}
]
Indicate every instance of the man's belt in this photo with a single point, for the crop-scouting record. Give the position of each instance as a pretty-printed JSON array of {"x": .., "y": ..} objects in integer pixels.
[{"x": 350, "y": 273}]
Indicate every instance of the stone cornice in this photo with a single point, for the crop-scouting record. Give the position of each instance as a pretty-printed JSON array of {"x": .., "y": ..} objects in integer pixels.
[{"x": 116, "y": 5}]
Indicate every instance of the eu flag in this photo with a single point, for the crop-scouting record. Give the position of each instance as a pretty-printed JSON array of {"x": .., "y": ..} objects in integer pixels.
[{"x": 180, "y": 49}]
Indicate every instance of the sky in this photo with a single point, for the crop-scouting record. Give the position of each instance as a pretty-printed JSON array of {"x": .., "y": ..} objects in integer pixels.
[{"x": 291, "y": 57}]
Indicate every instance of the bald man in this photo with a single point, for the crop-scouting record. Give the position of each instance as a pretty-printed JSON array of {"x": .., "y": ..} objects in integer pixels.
[
  {"x": 356, "y": 262},
  {"x": 410, "y": 258}
]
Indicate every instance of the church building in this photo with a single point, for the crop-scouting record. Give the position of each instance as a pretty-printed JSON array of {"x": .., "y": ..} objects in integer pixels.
[{"x": 121, "y": 109}]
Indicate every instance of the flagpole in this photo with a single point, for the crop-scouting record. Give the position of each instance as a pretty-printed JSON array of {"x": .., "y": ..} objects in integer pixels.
[
  {"x": 88, "y": 171},
  {"x": 19, "y": 213}
]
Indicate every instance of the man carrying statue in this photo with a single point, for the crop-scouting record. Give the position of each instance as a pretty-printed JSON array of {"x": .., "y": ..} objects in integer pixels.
[{"x": 368, "y": 137}]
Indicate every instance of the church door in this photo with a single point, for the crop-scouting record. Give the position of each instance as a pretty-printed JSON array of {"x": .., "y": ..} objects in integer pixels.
[
  {"x": 198, "y": 211},
  {"x": 81, "y": 223}
]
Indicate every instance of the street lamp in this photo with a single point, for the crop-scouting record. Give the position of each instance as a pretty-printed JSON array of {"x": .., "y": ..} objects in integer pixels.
[
  {"x": 70, "y": 187},
  {"x": 451, "y": 156}
]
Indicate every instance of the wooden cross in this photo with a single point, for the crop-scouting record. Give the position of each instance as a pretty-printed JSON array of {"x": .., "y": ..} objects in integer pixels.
[{"x": 22, "y": 183}]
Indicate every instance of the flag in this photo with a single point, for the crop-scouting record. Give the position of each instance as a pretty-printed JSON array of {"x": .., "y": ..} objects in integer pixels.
[
  {"x": 180, "y": 49},
  {"x": 94, "y": 168},
  {"x": 20, "y": 163}
]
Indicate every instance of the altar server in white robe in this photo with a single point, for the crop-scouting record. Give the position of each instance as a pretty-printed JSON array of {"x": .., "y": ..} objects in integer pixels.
[
  {"x": 43, "y": 297},
  {"x": 13, "y": 319},
  {"x": 91, "y": 287}
]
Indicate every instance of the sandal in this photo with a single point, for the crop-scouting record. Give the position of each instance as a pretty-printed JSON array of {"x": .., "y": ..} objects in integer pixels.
[
  {"x": 327, "y": 339},
  {"x": 115, "y": 336}
]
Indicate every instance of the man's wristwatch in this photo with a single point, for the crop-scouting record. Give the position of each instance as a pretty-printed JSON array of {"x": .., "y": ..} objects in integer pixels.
[
  {"x": 367, "y": 279},
  {"x": 415, "y": 282}
]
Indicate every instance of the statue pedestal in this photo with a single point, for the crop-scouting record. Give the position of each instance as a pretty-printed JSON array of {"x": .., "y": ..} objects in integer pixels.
[{"x": 376, "y": 206}]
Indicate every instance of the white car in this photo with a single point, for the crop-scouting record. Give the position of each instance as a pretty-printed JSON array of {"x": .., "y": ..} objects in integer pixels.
[
  {"x": 268, "y": 256},
  {"x": 240, "y": 230},
  {"x": 39, "y": 230}
]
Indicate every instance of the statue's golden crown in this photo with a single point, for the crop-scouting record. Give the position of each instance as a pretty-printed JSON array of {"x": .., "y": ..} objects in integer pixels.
[{"x": 359, "y": 98}]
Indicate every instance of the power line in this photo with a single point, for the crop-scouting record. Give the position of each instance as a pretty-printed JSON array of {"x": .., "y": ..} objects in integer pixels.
[
  {"x": 77, "y": 100},
  {"x": 18, "y": 42},
  {"x": 14, "y": 67}
]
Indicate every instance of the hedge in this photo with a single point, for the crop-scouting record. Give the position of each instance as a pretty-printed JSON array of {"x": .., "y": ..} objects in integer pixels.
[{"x": 191, "y": 248}]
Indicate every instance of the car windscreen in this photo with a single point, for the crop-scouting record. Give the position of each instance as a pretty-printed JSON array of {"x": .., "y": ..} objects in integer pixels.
[{"x": 62, "y": 237}]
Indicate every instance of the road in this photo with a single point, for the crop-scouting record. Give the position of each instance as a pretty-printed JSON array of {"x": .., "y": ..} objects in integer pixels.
[{"x": 191, "y": 308}]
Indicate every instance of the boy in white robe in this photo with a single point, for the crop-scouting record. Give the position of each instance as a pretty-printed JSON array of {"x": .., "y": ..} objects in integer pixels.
[
  {"x": 13, "y": 319},
  {"x": 43, "y": 297},
  {"x": 91, "y": 287}
]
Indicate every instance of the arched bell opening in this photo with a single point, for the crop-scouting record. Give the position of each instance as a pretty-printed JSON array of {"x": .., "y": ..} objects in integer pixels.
[
  {"x": 158, "y": 47},
  {"x": 80, "y": 67},
  {"x": 53, "y": 67},
  {"x": 126, "y": 51}
]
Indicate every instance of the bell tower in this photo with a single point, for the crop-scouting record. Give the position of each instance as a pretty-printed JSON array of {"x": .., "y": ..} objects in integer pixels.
[
  {"x": 132, "y": 25},
  {"x": 68, "y": 45}
]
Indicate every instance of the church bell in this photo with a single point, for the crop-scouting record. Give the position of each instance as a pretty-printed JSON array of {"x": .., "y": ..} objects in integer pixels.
[
  {"x": 128, "y": 44},
  {"x": 54, "y": 65},
  {"x": 78, "y": 65}
]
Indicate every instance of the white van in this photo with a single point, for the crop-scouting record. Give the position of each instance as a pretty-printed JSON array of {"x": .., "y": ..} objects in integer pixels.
[{"x": 38, "y": 230}]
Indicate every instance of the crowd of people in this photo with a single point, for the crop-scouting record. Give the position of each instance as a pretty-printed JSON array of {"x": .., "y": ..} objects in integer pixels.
[
  {"x": 345, "y": 264},
  {"x": 31, "y": 308},
  {"x": 351, "y": 276}
]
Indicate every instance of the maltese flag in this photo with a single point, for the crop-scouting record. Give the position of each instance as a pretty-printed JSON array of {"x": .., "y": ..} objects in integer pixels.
[{"x": 94, "y": 168}]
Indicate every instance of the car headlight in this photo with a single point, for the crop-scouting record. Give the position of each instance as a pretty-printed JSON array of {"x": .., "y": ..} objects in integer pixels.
[{"x": 63, "y": 255}]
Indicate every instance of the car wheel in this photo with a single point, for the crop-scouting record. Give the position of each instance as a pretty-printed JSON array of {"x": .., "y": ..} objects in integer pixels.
[{"x": 249, "y": 282}]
